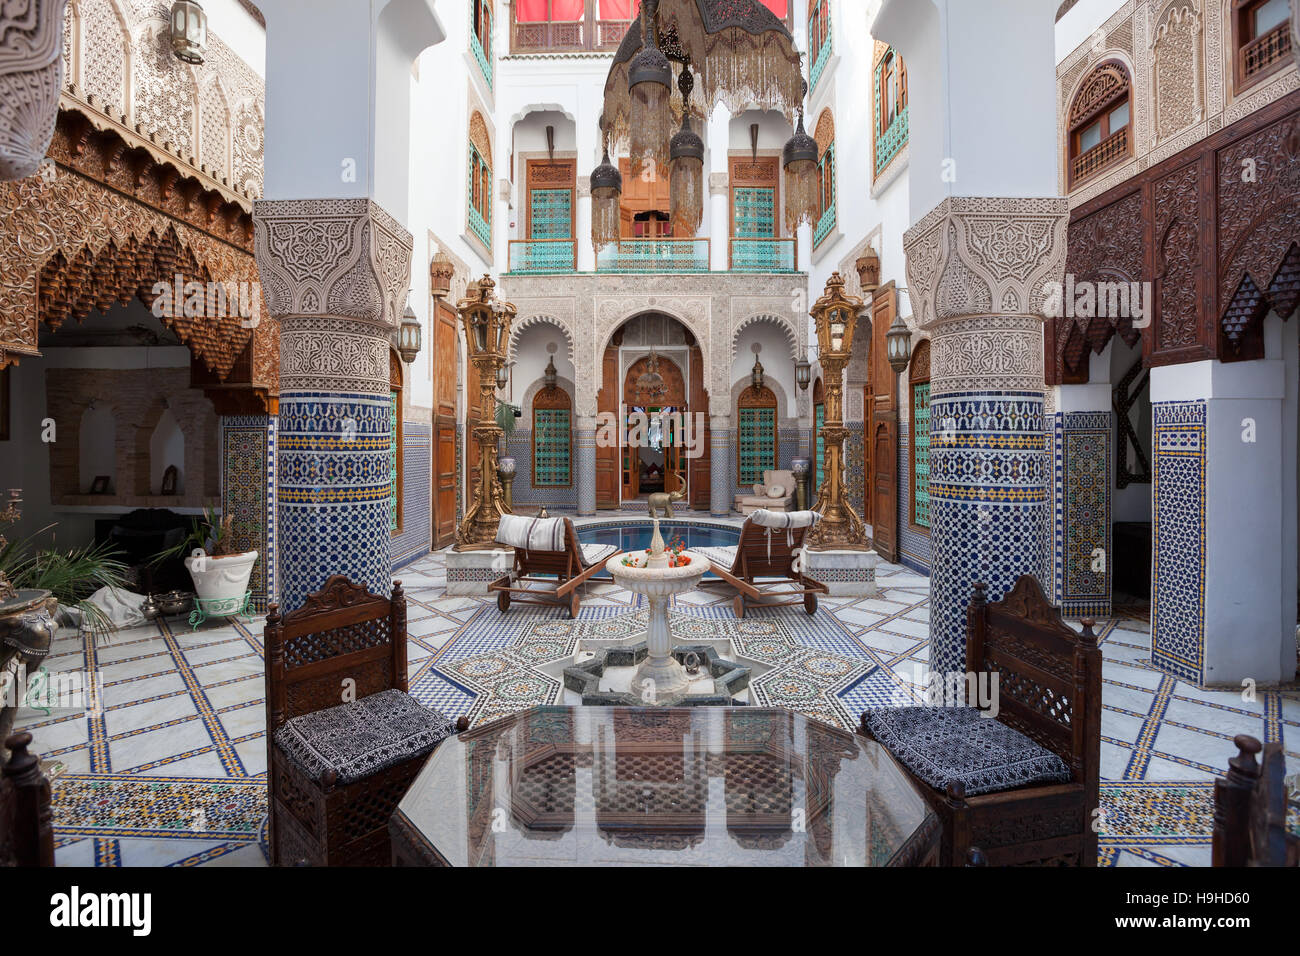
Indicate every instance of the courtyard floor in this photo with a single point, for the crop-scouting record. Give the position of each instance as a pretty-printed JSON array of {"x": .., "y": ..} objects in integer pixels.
[{"x": 172, "y": 770}]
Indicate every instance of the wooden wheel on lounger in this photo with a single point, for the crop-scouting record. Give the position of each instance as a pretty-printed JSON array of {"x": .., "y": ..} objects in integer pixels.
[
  {"x": 810, "y": 602},
  {"x": 503, "y": 601},
  {"x": 573, "y": 605},
  {"x": 739, "y": 605}
]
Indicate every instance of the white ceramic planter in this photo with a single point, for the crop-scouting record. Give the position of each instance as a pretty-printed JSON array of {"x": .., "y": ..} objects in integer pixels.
[{"x": 222, "y": 578}]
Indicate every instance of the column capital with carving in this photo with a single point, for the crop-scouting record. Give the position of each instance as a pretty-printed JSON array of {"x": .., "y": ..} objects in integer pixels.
[
  {"x": 31, "y": 74},
  {"x": 335, "y": 258},
  {"x": 985, "y": 256},
  {"x": 718, "y": 183}
]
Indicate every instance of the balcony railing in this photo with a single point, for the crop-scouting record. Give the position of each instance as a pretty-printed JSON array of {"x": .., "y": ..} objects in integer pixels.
[
  {"x": 541, "y": 256},
  {"x": 1265, "y": 50},
  {"x": 764, "y": 255},
  {"x": 1105, "y": 153},
  {"x": 484, "y": 61},
  {"x": 571, "y": 37},
  {"x": 655, "y": 255}
]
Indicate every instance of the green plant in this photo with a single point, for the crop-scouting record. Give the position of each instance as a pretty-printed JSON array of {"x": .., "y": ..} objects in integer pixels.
[
  {"x": 209, "y": 534},
  {"x": 506, "y": 415},
  {"x": 71, "y": 576}
]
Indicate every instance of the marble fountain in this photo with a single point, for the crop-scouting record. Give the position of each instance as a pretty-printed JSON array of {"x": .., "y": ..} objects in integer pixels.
[{"x": 653, "y": 669}]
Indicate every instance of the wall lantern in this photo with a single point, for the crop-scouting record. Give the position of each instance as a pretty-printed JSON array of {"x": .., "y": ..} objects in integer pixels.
[
  {"x": 409, "y": 336},
  {"x": 189, "y": 26},
  {"x": 803, "y": 374},
  {"x": 898, "y": 345},
  {"x": 756, "y": 375}
]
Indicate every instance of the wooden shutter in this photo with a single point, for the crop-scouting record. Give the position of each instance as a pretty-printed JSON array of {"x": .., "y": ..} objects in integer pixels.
[
  {"x": 607, "y": 458},
  {"x": 701, "y": 489},
  {"x": 444, "y": 425}
]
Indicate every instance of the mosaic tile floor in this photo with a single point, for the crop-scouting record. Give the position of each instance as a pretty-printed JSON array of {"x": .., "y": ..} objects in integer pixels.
[{"x": 172, "y": 770}]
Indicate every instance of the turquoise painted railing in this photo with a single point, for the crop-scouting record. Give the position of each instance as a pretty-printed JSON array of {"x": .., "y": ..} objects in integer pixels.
[
  {"x": 537, "y": 256},
  {"x": 484, "y": 63},
  {"x": 479, "y": 226},
  {"x": 888, "y": 145},
  {"x": 655, "y": 255},
  {"x": 763, "y": 255},
  {"x": 824, "y": 225},
  {"x": 819, "y": 65}
]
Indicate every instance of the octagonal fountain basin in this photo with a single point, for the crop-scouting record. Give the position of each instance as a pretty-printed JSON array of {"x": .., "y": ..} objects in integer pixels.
[{"x": 634, "y": 535}]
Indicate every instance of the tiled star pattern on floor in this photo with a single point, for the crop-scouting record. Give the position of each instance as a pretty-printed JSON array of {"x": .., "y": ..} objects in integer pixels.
[{"x": 172, "y": 771}]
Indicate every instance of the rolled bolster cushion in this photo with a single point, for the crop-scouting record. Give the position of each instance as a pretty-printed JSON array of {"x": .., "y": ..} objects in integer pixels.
[{"x": 776, "y": 491}]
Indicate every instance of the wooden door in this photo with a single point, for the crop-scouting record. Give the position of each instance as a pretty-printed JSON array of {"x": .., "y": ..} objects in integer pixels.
[
  {"x": 444, "y": 425},
  {"x": 699, "y": 487},
  {"x": 607, "y": 455},
  {"x": 884, "y": 428}
]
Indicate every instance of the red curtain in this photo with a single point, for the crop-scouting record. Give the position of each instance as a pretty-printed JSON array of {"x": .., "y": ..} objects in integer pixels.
[
  {"x": 619, "y": 9},
  {"x": 779, "y": 7},
  {"x": 536, "y": 11}
]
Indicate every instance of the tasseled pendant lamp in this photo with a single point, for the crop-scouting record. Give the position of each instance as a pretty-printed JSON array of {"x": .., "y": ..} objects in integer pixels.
[
  {"x": 606, "y": 195},
  {"x": 649, "y": 80},
  {"x": 686, "y": 153},
  {"x": 801, "y": 182}
]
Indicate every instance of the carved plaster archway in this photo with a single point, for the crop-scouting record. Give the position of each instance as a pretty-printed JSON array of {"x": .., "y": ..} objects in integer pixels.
[{"x": 692, "y": 311}]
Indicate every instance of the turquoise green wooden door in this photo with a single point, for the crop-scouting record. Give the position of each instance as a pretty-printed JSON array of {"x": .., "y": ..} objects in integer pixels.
[{"x": 921, "y": 454}]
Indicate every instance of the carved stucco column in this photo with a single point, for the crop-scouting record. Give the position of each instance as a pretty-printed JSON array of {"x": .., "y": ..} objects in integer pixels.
[
  {"x": 721, "y": 482},
  {"x": 335, "y": 273},
  {"x": 31, "y": 75},
  {"x": 976, "y": 270},
  {"x": 585, "y": 474}
]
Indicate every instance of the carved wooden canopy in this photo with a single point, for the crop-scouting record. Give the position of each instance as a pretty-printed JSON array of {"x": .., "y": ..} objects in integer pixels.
[
  {"x": 1212, "y": 234},
  {"x": 105, "y": 222}
]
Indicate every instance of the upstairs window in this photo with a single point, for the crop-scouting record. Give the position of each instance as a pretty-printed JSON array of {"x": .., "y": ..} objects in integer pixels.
[
  {"x": 825, "y": 137},
  {"x": 480, "y": 42},
  {"x": 479, "y": 189},
  {"x": 1263, "y": 39},
  {"x": 891, "y": 109},
  {"x": 819, "y": 39},
  {"x": 1100, "y": 123}
]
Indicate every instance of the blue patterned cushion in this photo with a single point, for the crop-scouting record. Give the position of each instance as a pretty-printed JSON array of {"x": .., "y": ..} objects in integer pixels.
[
  {"x": 940, "y": 744},
  {"x": 364, "y": 737}
]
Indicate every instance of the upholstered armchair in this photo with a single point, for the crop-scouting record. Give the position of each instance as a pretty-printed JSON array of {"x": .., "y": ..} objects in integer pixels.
[{"x": 775, "y": 493}]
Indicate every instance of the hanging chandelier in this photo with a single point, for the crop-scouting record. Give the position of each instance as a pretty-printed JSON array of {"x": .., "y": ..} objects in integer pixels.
[
  {"x": 650, "y": 384},
  {"x": 802, "y": 185},
  {"x": 606, "y": 196},
  {"x": 686, "y": 186},
  {"x": 739, "y": 54}
]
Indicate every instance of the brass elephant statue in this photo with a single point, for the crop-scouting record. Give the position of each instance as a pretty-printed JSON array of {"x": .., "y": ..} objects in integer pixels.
[{"x": 662, "y": 502}]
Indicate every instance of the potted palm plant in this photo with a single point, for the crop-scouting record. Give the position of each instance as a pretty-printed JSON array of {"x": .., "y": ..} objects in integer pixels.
[{"x": 219, "y": 572}]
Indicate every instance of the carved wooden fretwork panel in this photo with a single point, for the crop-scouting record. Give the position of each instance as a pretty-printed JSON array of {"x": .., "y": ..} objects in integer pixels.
[{"x": 1178, "y": 275}]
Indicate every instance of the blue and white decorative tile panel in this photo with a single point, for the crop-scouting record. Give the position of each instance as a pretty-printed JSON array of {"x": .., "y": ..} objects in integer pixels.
[
  {"x": 913, "y": 542},
  {"x": 1178, "y": 539},
  {"x": 248, "y": 493},
  {"x": 334, "y": 491},
  {"x": 1082, "y": 557},
  {"x": 988, "y": 504},
  {"x": 415, "y": 536}
]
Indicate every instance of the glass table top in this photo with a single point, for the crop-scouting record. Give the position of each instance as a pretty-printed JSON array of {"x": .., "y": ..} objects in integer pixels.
[{"x": 708, "y": 786}]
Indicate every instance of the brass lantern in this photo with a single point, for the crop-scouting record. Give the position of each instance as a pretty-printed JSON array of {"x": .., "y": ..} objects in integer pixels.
[
  {"x": 487, "y": 333},
  {"x": 756, "y": 374},
  {"x": 189, "y": 30},
  {"x": 835, "y": 316},
  {"x": 409, "y": 335}
]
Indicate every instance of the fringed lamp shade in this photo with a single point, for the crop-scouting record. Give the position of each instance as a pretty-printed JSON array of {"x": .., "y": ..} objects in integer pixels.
[
  {"x": 802, "y": 188},
  {"x": 741, "y": 53},
  {"x": 686, "y": 189},
  {"x": 606, "y": 193},
  {"x": 650, "y": 79}
]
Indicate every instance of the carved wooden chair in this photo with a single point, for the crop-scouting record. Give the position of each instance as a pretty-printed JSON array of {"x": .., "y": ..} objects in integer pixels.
[
  {"x": 547, "y": 552},
  {"x": 1021, "y": 788},
  {"x": 344, "y": 740},
  {"x": 26, "y": 820},
  {"x": 1250, "y": 809},
  {"x": 770, "y": 552}
]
